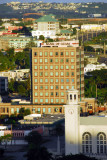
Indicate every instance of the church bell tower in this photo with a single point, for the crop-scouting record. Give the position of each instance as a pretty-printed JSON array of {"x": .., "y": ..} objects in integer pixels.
[{"x": 72, "y": 123}]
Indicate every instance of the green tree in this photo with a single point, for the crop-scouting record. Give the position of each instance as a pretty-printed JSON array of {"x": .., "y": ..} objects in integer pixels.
[
  {"x": 41, "y": 37},
  {"x": 5, "y": 139},
  {"x": 36, "y": 151}
]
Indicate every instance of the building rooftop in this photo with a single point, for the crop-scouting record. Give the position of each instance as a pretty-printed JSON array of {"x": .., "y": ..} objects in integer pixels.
[
  {"x": 93, "y": 120},
  {"x": 46, "y": 18}
]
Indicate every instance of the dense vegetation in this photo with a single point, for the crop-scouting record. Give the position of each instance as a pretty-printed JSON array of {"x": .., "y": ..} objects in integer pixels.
[
  {"x": 22, "y": 88},
  {"x": 100, "y": 39},
  {"x": 9, "y": 60},
  {"x": 96, "y": 85}
]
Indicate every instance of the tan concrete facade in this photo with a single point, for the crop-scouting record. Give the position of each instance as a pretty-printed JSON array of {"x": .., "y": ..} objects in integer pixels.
[{"x": 54, "y": 70}]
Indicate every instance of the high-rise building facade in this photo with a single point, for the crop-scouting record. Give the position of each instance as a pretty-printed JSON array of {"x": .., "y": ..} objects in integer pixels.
[{"x": 54, "y": 70}]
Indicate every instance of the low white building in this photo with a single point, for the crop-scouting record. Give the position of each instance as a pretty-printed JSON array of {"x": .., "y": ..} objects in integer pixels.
[
  {"x": 93, "y": 67},
  {"x": 87, "y": 135},
  {"x": 91, "y": 27},
  {"x": 17, "y": 75}
]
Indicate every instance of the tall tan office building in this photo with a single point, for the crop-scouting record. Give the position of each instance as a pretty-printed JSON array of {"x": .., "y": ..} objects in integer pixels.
[{"x": 55, "y": 70}]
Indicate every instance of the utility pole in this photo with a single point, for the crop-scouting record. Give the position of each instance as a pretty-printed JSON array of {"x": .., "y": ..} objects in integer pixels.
[
  {"x": 87, "y": 34},
  {"x": 104, "y": 49},
  {"x": 92, "y": 34}
]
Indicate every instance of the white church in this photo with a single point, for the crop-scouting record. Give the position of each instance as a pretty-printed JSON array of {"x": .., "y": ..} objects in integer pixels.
[{"x": 87, "y": 135}]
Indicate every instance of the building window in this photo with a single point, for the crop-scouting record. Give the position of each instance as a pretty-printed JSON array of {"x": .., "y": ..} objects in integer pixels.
[
  {"x": 35, "y": 53},
  {"x": 72, "y": 80},
  {"x": 67, "y": 73},
  {"x": 51, "y": 100},
  {"x": 41, "y": 87},
  {"x": 62, "y": 80},
  {"x": 46, "y": 53},
  {"x": 36, "y": 80},
  {"x": 44, "y": 110},
  {"x": 46, "y": 87},
  {"x": 36, "y": 73},
  {"x": 40, "y": 53},
  {"x": 67, "y": 60},
  {"x": 62, "y": 87},
  {"x": 46, "y": 94},
  {"x": 46, "y": 80},
  {"x": 72, "y": 53},
  {"x": 46, "y": 100},
  {"x": 56, "y": 73},
  {"x": 51, "y": 87},
  {"x": 36, "y": 93},
  {"x": 36, "y": 67},
  {"x": 56, "y": 53},
  {"x": 36, "y": 100},
  {"x": 38, "y": 110},
  {"x": 67, "y": 53},
  {"x": 57, "y": 100},
  {"x": 56, "y": 60},
  {"x": 41, "y": 67},
  {"x": 87, "y": 143},
  {"x": 46, "y": 60},
  {"x": 61, "y": 53},
  {"x": 101, "y": 143},
  {"x": 62, "y": 73},
  {"x": 41, "y": 100},
  {"x": 67, "y": 80},
  {"x": 56, "y": 93},
  {"x": 36, "y": 87},
  {"x": 72, "y": 67},
  {"x": 62, "y": 93},
  {"x": 33, "y": 110},
  {"x": 74, "y": 96},
  {"x": 49, "y": 110},
  {"x": 51, "y": 60},
  {"x": 46, "y": 67},
  {"x": 51, "y": 73},
  {"x": 41, "y": 73},
  {"x": 41, "y": 94},
  {"x": 72, "y": 73},
  {"x": 51, "y": 93},
  {"x": 51, "y": 67},
  {"x": 40, "y": 60},
  {"x": 72, "y": 87},
  {"x": 72, "y": 60},
  {"x": 36, "y": 60},
  {"x": 62, "y": 100},
  {"x": 57, "y": 80},
  {"x": 46, "y": 73},
  {"x": 41, "y": 80},
  {"x": 51, "y": 53},
  {"x": 56, "y": 67},
  {"x": 62, "y": 67},
  {"x": 17, "y": 110},
  {"x": 61, "y": 60},
  {"x": 51, "y": 80},
  {"x": 67, "y": 87},
  {"x": 67, "y": 67},
  {"x": 56, "y": 87}
]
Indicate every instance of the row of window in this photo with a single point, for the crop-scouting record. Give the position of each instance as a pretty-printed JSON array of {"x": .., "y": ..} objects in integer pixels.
[
  {"x": 47, "y": 100},
  {"x": 87, "y": 143},
  {"x": 52, "y": 73},
  {"x": 38, "y": 109},
  {"x": 52, "y": 87},
  {"x": 51, "y": 94},
  {"x": 56, "y": 67},
  {"x": 52, "y": 80},
  {"x": 51, "y": 60},
  {"x": 51, "y": 53}
]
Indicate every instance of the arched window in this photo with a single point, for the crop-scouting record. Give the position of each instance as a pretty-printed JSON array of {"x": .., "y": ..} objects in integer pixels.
[
  {"x": 87, "y": 143},
  {"x": 101, "y": 143}
]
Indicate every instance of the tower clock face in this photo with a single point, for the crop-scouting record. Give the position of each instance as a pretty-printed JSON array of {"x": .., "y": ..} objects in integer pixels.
[{"x": 71, "y": 111}]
